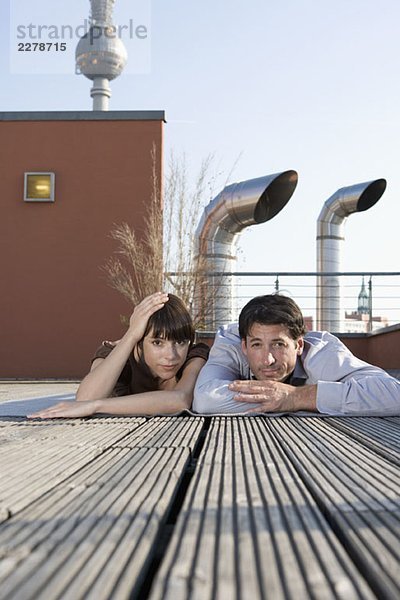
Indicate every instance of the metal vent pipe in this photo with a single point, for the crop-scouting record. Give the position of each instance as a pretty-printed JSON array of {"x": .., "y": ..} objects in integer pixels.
[
  {"x": 330, "y": 238},
  {"x": 236, "y": 207}
]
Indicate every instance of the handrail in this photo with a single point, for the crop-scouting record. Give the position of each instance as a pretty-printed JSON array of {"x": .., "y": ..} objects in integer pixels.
[
  {"x": 285, "y": 273},
  {"x": 357, "y": 314}
]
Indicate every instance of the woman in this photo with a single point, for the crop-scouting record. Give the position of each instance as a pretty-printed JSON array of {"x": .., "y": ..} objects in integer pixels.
[{"x": 152, "y": 369}]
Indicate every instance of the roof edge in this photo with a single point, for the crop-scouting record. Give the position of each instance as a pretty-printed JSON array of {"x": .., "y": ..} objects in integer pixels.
[{"x": 85, "y": 115}]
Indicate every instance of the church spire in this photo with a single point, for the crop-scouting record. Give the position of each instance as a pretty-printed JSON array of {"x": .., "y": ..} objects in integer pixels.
[{"x": 363, "y": 300}]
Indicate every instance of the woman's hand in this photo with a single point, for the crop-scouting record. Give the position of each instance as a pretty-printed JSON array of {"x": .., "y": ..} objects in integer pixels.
[
  {"x": 67, "y": 410},
  {"x": 143, "y": 311}
]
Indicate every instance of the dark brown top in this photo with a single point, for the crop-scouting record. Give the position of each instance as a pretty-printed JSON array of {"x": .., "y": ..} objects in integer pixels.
[{"x": 135, "y": 377}]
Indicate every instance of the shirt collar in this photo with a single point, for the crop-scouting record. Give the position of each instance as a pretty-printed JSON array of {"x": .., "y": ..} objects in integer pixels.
[{"x": 298, "y": 377}]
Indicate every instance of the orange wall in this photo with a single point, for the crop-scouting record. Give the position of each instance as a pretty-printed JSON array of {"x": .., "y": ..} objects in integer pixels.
[
  {"x": 55, "y": 304},
  {"x": 382, "y": 350}
]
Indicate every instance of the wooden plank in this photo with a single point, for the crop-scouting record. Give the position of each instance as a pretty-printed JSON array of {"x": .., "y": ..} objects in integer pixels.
[
  {"x": 394, "y": 420},
  {"x": 35, "y": 458},
  {"x": 91, "y": 536},
  {"x": 249, "y": 528},
  {"x": 25, "y": 476},
  {"x": 76, "y": 430},
  {"x": 380, "y": 435},
  {"x": 165, "y": 432},
  {"x": 358, "y": 491},
  {"x": 277, "y": 508}
]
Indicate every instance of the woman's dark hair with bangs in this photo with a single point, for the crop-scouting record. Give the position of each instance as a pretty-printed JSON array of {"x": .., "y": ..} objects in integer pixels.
[
  {"x": 272, "y": 309},
  {"x": 171, "y": 322}
]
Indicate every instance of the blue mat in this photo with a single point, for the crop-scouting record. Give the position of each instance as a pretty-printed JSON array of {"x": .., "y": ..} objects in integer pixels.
[{"x": 26, "y": 406}]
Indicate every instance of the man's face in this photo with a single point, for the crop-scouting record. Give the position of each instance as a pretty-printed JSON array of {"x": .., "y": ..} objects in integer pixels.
[{"x": 271, "y": 352}]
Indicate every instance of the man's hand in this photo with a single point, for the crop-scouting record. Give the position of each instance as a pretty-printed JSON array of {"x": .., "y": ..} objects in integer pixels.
[{"x": 274, "y": 396}]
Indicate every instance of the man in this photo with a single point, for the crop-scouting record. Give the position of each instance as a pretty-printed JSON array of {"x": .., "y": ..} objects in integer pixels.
[{"x": 269, "y": 364}]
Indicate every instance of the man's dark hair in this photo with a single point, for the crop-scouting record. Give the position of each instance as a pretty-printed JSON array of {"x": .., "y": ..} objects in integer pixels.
[{"x": 272, "y": 309}]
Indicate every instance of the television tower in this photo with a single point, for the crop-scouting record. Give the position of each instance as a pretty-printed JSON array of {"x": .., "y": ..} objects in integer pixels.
[{"x": 101, "y": 55}]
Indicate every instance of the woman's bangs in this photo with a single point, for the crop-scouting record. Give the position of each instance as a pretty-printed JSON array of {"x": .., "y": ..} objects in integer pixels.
[
  {"x": 175, "y": 332},
  {"x": 170, "y": 327}
]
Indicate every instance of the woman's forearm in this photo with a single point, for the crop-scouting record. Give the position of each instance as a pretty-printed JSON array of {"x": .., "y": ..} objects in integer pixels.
[
  {"x": 147, "y": 403},
  {"x": 101, "y": 380},
  {"x": 165, "y": 402},
  {"x": 189, "y": 376},
  {"x": 159, "y": 401}
]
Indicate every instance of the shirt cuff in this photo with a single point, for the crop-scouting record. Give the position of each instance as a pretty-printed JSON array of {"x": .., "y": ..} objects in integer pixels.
[{"x": 329, "y": 397}]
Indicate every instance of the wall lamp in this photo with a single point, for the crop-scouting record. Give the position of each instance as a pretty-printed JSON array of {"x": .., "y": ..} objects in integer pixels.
[{"x": 39, "y": 187}]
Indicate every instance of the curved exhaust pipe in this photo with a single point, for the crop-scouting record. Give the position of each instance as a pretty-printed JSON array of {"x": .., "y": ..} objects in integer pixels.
[
  {"x": 236, "y": 207},
  {"x": 330, "y": 238}
]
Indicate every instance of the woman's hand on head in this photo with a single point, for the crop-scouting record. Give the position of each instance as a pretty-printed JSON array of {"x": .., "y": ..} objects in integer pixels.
[{"x": 143, "y": 312}]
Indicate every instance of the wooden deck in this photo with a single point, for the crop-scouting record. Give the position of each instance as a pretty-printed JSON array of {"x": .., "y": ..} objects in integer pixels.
[{"x": 193, "y": 507}]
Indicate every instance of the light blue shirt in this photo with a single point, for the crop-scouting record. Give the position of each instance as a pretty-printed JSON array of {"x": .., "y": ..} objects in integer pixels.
[{"x": 346, "y": 384}]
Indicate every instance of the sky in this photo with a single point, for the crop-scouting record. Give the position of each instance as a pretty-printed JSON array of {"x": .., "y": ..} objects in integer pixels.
[{"x": 265, "y": 85}]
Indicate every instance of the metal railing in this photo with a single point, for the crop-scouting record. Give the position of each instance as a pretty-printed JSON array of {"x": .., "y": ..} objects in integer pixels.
[{"x": 383, "y": 293}]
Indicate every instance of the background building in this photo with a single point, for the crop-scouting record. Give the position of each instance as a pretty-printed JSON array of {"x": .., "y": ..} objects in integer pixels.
[
  {"x": 360, "y": 320},
  {"x": 55, "y": 305}
]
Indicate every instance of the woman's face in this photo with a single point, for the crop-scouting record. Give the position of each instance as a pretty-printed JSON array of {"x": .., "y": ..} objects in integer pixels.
[{"x": 164, "y": 357}]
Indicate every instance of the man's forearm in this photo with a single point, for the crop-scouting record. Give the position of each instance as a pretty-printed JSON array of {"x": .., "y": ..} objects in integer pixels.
[
  {"x": 369, "y": 396},
  {"x": 305, "y": 398}
]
